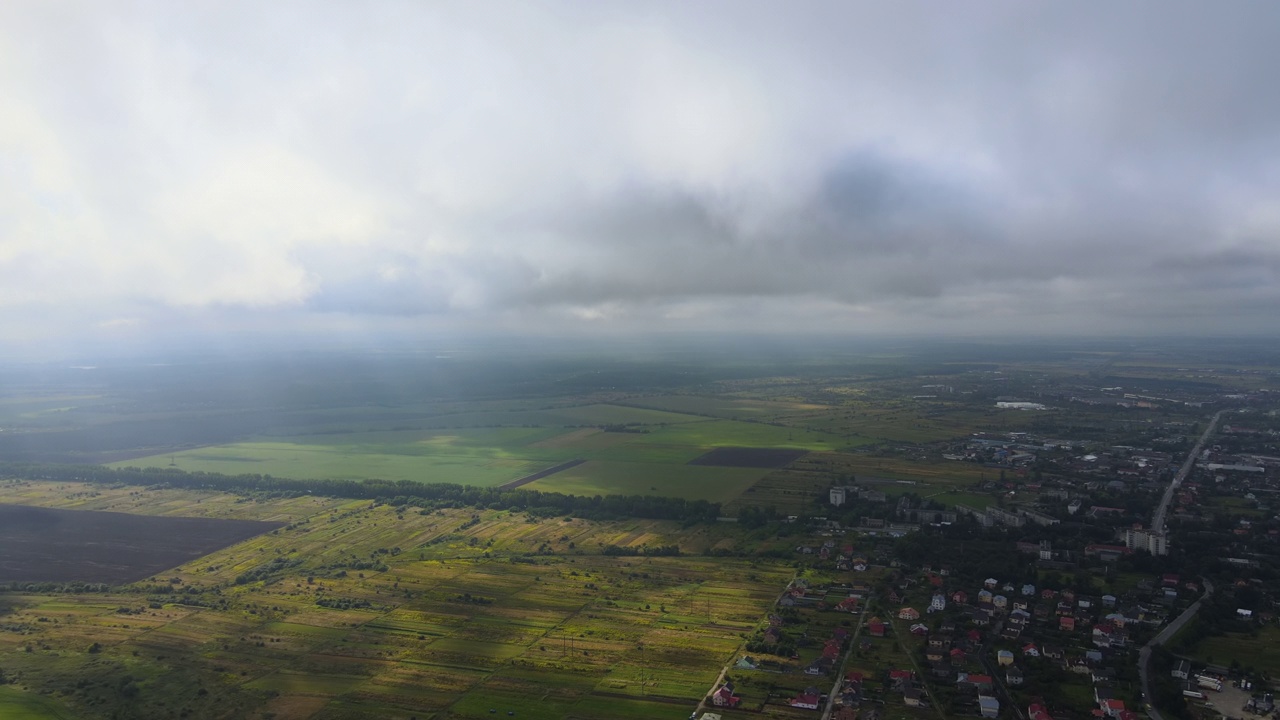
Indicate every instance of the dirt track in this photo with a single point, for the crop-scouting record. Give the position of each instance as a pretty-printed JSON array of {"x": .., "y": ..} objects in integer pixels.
[{"x": 540, "y": 474}]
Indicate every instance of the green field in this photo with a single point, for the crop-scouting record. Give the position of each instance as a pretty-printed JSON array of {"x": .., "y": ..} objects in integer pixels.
[
  {"x": 648, "y": 459},
  {"x": 603, "y": 477},
  {"x": 725, "y": 407},
  {"x": 16, "y": 704},
  {"x": 1261, "y": 653}
]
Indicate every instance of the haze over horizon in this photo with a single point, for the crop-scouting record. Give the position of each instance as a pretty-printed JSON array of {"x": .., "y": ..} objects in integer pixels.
[{"x": 310, "y": 172}]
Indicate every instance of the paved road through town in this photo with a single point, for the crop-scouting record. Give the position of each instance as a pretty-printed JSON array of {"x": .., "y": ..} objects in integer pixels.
[
  {"x": 1157, "y": 522},
  {"x": 1144, "y": 655}
]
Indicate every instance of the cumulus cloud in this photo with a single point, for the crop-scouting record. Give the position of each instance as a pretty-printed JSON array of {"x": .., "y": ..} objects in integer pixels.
[{"x": 559, "y": 166}]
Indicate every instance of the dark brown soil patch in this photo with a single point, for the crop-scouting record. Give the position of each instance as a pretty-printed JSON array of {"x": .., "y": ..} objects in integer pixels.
[
  {"x": 48, "y": 545},
  {"x": 749, "y": 457}
]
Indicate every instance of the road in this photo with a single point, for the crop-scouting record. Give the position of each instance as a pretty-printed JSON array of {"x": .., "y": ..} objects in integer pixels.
[
  {"x": 1157, "y": 522},
  {"x": 1002, "y": 692},
  {"x": 1144, "y": 655},
  {"x": 853, "y": 642},
  {"x": 702, "y": 704}
]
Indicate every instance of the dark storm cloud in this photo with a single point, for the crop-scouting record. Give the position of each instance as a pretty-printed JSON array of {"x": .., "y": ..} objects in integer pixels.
[{"x": 849, "y": 166}]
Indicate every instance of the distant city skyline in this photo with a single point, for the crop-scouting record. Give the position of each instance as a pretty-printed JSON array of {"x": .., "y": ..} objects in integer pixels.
[{"x": 300, "y": 173}]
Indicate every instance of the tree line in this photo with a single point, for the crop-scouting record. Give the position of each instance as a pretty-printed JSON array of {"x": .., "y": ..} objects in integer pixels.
[{"x": 398, "y": 492}]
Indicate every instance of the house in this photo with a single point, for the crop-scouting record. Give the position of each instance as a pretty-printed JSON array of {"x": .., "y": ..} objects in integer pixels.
[
  {"x": 1052, "y": 652},
  {"x": 1108, "y": 600},
  {"x": 1013, "y": 675},
  {"x": 980, "y": 682},
  {"x": 724, "y": 697},
  {"x": 848, "y": 605},
  {"x": 990, "y": 583},
  {"x": 1112, "y": 707},
  {"x": 875, "y": 626},
  {"x": 938, "y": 603},
  {"x": 908, "y": 613},
  {"x": 1004, "y": 657},
  {"x": 1182, "y": 670},
  {"x": 985, "y": 596},
  {"x": 901, "y": 679},
  {"x": 988, "y": 706},
  {"x": 1038, "y": 712},
  {"x": 960, "y": 597},
  {"x": 1047, "y": 594},
  {"x": 808, "y": 699},
  {"x": 747, "y": 663},
  {"x": 920, "y": 629},
  {"x": 1030, "y": 650},
  {"x": 1067, "y": 623},
  {"x": 912, "y": 697},
  {"x": 1000, "y": 602},
  {"x": 1029, "y": 590}
]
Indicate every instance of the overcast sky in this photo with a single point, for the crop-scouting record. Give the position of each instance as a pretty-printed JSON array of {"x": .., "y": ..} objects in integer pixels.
[{"x": 354, "y": 168}]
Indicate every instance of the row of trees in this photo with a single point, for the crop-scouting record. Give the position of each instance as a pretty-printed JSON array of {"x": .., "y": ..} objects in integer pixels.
[{"x": 404, "y": 492}]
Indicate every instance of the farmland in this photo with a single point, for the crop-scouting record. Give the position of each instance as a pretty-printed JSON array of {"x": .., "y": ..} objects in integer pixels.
[
  {"x": 356, "y": 609},
  {"x": 52, "y": 545},
  {"x": 650, "y": 452}
]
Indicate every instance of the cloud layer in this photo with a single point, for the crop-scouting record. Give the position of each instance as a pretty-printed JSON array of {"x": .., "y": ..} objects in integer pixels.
[{"x": 856, "y": 167}]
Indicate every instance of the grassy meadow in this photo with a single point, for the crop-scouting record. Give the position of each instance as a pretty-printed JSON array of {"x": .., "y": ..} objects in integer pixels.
[{"x": 18, "y": 704}]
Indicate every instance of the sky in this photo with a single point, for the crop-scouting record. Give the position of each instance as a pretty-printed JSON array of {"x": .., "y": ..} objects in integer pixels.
[{"x": 206, "y": 171}]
